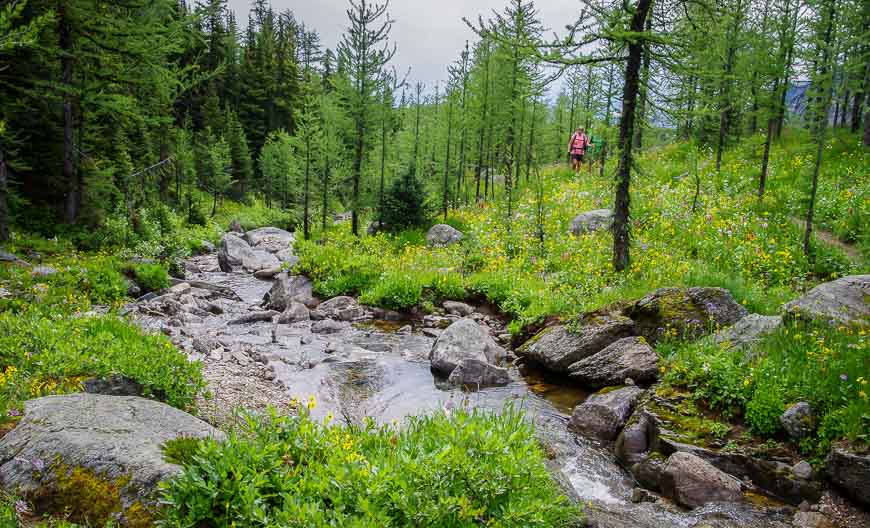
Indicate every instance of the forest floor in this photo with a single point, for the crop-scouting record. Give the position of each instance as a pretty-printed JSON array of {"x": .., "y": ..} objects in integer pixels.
[{"x": 831, "y": 239}]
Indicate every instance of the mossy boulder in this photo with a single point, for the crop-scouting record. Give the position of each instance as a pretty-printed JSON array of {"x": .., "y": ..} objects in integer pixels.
[
  {"x": 558, "y": 347},
  {"x": 92, "y": 456},
  {"x": 843, "y": 301},
  {"x": 684, "y": 313}
]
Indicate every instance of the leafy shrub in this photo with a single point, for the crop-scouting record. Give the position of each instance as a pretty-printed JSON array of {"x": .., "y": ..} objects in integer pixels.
[
  {"x": 395, "y": 291},
  {"x": 464, "y": 469},
  {"x": 763, "y": 411},
  {"x": 53, "y": 354},
  {"x": 151, "y": 277}
]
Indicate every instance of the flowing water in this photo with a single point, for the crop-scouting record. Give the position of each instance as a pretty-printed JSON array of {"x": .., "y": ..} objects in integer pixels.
[{"x": 370, "y": 370}]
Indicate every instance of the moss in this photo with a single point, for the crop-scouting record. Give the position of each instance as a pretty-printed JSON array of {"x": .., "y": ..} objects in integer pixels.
[
  {"x": 688, "y": 425},
  {"x": 610, "y": 389},
  {"x": 180, "y": 450},
  {"x": 81, "y": 496}
]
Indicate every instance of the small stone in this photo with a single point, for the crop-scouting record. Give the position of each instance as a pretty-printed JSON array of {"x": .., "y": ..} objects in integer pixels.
[
  {"x": 241, "y": 358},
  {"x": 811, "y": 520},
  {"x": 180, "y": 288},
  {"x": 457, "y": 308},
  {"x": 327, "y": 326},
  {"x": 405, "y": 330},
  {"x": 267, "y": 273},
  {"x": 639, "y": 495},
  {"x": 803, "y": 470},
  {"x": 798, "y": 420},
  {"x": 505, "y": 338},
  {"x": 804, "y": 506},
  {"x": 432, "y": 332}
]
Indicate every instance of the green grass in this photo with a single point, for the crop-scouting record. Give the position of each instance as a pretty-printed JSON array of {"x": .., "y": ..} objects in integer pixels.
[
  {"x": 827, "y": 367},
  {"x": 464, "y": 469}
]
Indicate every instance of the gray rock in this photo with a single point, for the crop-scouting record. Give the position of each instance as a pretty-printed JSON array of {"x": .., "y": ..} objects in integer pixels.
[
  {"x": 436, "y": 321},
  {"x": 114, "y": 437},
  {"x": 287, "y": 256},
  {"x": 811, "y": 519},
  {"x": 327, "y": 326},
  {"x": 592, "y": 221},
  {"x": 474, "y": 372},
  {"x": 179, "y": 289},
  {"x": 294, "y": 313},
  {"x": 851, "y": 472},
  {"x": 558, "y": 347},
  {"x": 288, "y": 289},
  {"x": 206, "y": 247},
  {"x": 687, "y": 312},
  {"x": 648, "y": 472},
  {"x": 268, "y": 273},
  {"x": 9, "y": 257},
  {"x": 342, "y": 308},
  {"x": 803, "y": 470},
  {"x": 630, "y": 357},
  {"x": 843, "y": 301},
  {"x": 432, "y": 332},
  {"x": 270, "y": 239},
  {"x": 405, "y": 330},
  {"x": 133, "y": 289},
  {"x": 798, "y": 420},
  {"x": 254, "y": 317},
  {"x": 602, "y": 415},
  {"x": 376, "y": 227},
  {"x": 748, "y": 330},
  {"x": 461, "y": 340},
  {"x": 206, "y": 344},
  {"x": 635, "y": 440},
  {"x": 639, "y": 495},
  {"x": 235, "y": 254},
  {"x": 458, "y": 308},
  {"x": 41, "y": 272},
  {"x": 113, "y": 385},
  {"x": 236, "y": 227},
  {"x": 693, "y": 482},
  {"x": 443, "y": 235}
]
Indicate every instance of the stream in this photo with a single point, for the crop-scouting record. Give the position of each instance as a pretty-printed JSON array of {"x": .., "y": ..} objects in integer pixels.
[{"x": 371, "y": 370}]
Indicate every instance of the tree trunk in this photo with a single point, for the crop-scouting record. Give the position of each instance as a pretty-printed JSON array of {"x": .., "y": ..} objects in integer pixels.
[
  {"x": 621, "y": 227},
  {"x": 644, "y": 89},
  {"x": 325, "y": 190},
  {"x": 69, "y": 175},
  {"x": 306, "y": 228},
  {"x": 606, "y": 121},
  {"x": 445, "y": 205},
  {"x": 4, "y": 201},
  {"x": 483, "y": 120},
  {"x": 383, "y": 164}
]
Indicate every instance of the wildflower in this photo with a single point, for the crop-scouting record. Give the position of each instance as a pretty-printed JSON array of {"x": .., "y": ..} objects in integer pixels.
[
  {"x": 21, "y": 507},
  {"x": 844, "y": 377},
  {"x": 312, "y": 403},
  {"x": 329, "y": 417},
  {"x": 13, "y": 413},
  {"x": 862, "y": 394}
]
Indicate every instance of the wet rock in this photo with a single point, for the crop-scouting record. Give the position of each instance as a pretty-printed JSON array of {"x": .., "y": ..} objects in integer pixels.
[
  {"x": 803, "y": 470},
  {"x": 443, "y": 235},
  {"x": 288, "y": 289},
  {"x": 798, "y": 420},
  {"x": 748, "y": 330},
  {"x": 505, "y": 339},
  {"x": 436, "y": 321},
  {"x": 236, "y": 227},
  {"x": 556, "y": 348},
  {"x": 474, "y": 372},
  {"x": 432, "y": 332},
  {"x": 851, "y": 472},
  {"x": 463, "y": 339},
  {"x": 405, "y": 330},
  {"x": 811, "y": 520},
  {"x": 270, "y": 239},
  {"x": 630, "y": 357},
  {"x": 687, "y": 312},
  {"x": 287, "y": 257},
  {"x": 458, "y": 308},
  {"x": 591, "y": 221},
  {"x": 693, "y": 482},
  {"x": 114, "y": 437},
  {"x": 843, "y": 301},
  {"x": 113, "y": 385},
  {"x": 254, "y": 317},
  {"x": 147, "y": 297},
  {"x": 639, "y": 495},
  {"x": 603, "y": 414},
  {"x": 635, "y": 440},
  {"x": 268, "y": 273},
  {"x": 179, "y": 289},
  {"x": 294, "y": 313},
  {"x": 40, "y": 272},
  {"x": 327, "y": 326},
  {"x": 648, "y": 472},
  {"x": 342, "y": 308}
]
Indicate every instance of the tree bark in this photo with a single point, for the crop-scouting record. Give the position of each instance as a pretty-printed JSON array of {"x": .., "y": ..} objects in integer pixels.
[
  {"x": 69, "y": 175},
  {"x": 4, "y": 200},
  {"x": 621, "y": 227}
]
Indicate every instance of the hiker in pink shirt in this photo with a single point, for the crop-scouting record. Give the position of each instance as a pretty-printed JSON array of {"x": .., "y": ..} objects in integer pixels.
[{"x": 577, "y": 147}]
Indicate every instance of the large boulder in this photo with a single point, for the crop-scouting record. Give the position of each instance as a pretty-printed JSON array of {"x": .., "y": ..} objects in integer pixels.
[
  {"x": 843, "y": 301},
  {"x": 558, "y": 347},
  {"x": 461, "y": 340},
  {"x": 684, "y": 312},
  {"x": 748, "y": 331},
  {"x": 235, "y": 253},
  {"x": 630, "y": 357},
  {"x": 110, "y": 442},
  {"x": 342, "y": 308},
  {"x": 851, "y": 472},
  {"x": 592, "y": 221},
  {"x": 602, "y": 415},
  {"x": 693, "y": 482},
  {"x": 474, "y": 372},
  {"x": 288, "y": 289},
  {"x": 443, "y": 235},
  {"x": 271, "y": 239}
]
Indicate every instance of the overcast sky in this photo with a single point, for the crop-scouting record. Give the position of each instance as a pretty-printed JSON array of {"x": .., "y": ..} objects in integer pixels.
[{"x": 429, "y": 34}]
